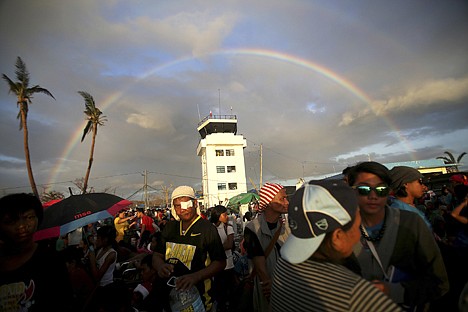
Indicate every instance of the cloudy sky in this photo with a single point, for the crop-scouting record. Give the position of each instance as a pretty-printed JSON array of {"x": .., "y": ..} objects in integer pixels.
[{"x": 319, "y": 84}]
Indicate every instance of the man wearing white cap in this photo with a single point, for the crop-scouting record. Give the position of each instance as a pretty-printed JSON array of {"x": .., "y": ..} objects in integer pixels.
[
  {"x": 190, "y": 249},
  {"x": 257, "y": 237},
  {"x": 324, "y": 220}
]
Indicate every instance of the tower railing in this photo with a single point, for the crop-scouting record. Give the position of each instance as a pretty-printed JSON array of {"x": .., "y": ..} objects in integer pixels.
[{"x": 211, "y": 116}]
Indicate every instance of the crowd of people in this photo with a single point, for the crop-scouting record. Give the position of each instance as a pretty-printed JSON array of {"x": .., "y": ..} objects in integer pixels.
[{"x": 377, "y": 239}]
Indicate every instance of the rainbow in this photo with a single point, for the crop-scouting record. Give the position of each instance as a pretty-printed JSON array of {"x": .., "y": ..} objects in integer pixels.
[{"x": 283, "y": 57}]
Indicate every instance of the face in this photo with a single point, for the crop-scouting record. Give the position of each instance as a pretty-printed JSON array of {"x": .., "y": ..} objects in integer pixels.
[
  {"x": 147, "y": 273},
  {"x": 224, "y": 217},
  {"x": 416, "y": 188},
  {"x": 370, "y": 204},
  {"x": 353, "y": 235},
  {"x": 280, "y": 202},
  {"x": 19, "y": 230},
  {"x": 185, "y": 215},
  {"x": 100, "y": 242}
]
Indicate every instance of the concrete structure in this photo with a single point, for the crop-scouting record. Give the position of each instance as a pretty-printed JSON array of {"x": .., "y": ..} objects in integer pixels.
[{"x": 221, "y": 151}]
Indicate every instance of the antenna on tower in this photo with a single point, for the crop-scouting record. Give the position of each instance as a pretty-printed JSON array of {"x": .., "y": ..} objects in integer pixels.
[
  {"x": 199, "y": 117},
  {"x": 219, "y": 101}
]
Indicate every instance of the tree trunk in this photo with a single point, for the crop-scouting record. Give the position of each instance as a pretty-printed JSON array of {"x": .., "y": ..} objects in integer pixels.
[
  {"x": 90, "y": 162},
  {"x": 26, "y": 150}
]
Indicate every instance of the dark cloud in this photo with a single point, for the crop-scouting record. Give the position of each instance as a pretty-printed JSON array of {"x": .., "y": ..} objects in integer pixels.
[{"x": 155, "y": 70}]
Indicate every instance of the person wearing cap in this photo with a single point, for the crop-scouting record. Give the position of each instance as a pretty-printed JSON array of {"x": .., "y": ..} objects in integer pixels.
[
  {"x": 259, "y": 233},
  {"x": 190, "y": 250},
  {"x": 408, "y": 186},
  {"x": 397, "y": 251},
  {"x": 324, "y": 220}
]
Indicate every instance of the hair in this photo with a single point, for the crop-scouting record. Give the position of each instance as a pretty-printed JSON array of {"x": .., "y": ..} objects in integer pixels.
[
  {"x": 401, "y": 191},
  {"x": 346, "y": 170},
  {"x": 369, "y": 167},
  {"x": 108, "y": 232},
  {"x": 247, "y": 216},
  {"x": 148, "y": 260},
  {"x": 216, "y": 212},
  {"x": 15, "y": 205}
]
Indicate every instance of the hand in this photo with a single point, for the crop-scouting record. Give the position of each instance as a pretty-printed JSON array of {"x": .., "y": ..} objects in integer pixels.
[
  {"x": 165, "y": 270},
  {"x": 266, "y": 288},
  {"x": 382, "y": 286},
  {"x": 186, "y": 281}
]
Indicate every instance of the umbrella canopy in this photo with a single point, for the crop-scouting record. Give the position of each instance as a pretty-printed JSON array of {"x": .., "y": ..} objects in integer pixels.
[
  {"x": 243, "y": 198},
  {"x": 50, "y": 203},
  {"x": 77, "y": 211}
]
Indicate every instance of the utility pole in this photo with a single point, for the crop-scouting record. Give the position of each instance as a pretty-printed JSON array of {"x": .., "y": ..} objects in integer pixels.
[
  {"x": 261, "y": 165},
  {"x": 145, "y": 188}
]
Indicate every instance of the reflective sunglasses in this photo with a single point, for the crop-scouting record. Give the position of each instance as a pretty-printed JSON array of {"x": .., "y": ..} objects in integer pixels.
[{"x": 365, "y": 190}]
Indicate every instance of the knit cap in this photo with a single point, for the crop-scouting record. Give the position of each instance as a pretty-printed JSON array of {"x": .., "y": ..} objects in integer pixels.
[
  {"x": 403, "y": 174},
  {"x": 267, "y": 193}
]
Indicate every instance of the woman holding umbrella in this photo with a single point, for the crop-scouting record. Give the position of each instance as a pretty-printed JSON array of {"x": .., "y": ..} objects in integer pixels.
[{"x": 33, "y": 277}]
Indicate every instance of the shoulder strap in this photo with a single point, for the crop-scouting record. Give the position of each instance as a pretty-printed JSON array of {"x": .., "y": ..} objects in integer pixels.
[
  {"x": 273, "y": 240},
  {"x": 268, "y": 249},
  {"x": 376, "y": 255}
]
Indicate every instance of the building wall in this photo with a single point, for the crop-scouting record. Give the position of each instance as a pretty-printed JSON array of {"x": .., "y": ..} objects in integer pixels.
[{"x": 212, "y": 165}]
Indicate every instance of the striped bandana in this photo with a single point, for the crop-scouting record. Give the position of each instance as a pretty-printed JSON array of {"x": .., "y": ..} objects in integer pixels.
[{"x": 267, "y": 193}]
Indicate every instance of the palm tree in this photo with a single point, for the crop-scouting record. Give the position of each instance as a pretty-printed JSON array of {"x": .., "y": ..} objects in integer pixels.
[
  {"x": 24, "y": 94},
  {"x": 95, "y": 119},
  {"x": 450, "y": 159}
]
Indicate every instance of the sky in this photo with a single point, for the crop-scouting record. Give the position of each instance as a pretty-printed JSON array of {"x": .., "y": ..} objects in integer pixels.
[{"x": 319, "y": 85}]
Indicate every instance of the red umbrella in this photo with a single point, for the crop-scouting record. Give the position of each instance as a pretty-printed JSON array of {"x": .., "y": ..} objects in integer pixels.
[
  {"x": 78, "y": 210},
  {"x": 50, "y": 203}
]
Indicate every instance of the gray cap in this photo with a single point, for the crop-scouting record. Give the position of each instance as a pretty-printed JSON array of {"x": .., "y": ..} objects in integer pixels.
[{"x": 403, "y": 174}]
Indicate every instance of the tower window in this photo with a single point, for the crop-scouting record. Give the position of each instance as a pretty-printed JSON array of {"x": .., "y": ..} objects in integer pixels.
[
  {"x": 229, "y": 152},
  {"x": 221, "y": 186},
  {"x": 231, "y": 168},
  {"x": 221, "y": 169},
  {"x": 219, "y": 152},
  {"x": 233, "y": 186}
]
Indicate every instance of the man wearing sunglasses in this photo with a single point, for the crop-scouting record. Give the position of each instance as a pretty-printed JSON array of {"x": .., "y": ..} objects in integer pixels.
[
  {"x": 408, "y": 186},
  {"x": 397, "y": 251}
]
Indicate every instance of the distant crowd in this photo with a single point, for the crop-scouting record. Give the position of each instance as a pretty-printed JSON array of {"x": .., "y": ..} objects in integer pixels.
[{"x": 377, "y": 239}]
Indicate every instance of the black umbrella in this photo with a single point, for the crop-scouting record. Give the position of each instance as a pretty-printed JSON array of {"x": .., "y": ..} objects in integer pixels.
[{"x": 77, "y": 211}]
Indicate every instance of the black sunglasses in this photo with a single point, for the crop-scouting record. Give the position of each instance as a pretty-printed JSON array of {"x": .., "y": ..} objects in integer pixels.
[{"x": 365, "y": 190}]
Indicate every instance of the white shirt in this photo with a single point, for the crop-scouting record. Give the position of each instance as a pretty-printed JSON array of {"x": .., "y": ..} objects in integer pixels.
[
  {"x": 223, "y": 235},
  {"x": 108, "y": 276}
]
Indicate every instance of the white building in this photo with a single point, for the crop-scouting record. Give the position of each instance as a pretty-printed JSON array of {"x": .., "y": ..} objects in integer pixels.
[{"x": 221, "y": 151}]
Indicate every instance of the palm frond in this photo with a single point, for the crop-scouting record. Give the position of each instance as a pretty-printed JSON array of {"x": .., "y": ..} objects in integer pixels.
[
  {"x": 21, "y": 72},
  {"x": 11, "y": 83},
  {"x": 445, "y": 159},
  {"x": 38, "y": 89},
  {"x": 89, "y": 101},
  {"x": 20, "y": 123},
  {"x": 450, "y": 156},
  {"x": 86, "y": 130},
  {"x": 460, "y": 157}
]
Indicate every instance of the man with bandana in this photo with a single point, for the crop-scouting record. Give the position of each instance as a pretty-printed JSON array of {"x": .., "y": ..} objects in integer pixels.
[
  {"x": 257, "y": 236},
  {"x": 190, "y": 249}
]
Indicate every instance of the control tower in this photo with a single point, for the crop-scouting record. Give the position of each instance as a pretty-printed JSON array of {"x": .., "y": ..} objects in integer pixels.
[{"x": 221, "y": 151}]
